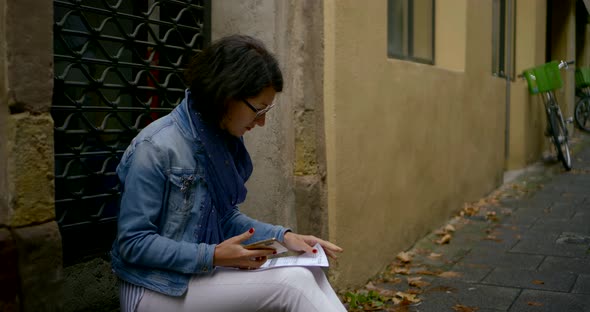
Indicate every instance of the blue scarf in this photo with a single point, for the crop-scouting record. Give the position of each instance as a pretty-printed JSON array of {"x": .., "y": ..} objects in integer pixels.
[{"x": 228, "y": 167}]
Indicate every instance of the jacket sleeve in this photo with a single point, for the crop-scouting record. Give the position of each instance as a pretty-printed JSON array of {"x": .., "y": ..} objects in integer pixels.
[
  {"x": 235, "y": 223},
  {"x": 141, "y": 204}
]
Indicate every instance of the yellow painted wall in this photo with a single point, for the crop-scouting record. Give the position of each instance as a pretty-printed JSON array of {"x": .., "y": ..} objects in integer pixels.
[
  {"x": 527, "y": 117},
  {"x": 450, "y": 33},
  {"x": 407, "y": 143}
]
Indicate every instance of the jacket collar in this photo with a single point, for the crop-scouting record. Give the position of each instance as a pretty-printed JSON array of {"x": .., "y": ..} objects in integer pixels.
[{"x": 181, "y": 114}]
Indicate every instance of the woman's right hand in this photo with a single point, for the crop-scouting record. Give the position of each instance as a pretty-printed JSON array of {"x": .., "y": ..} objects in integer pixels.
[{"x": 231, "y": 253}]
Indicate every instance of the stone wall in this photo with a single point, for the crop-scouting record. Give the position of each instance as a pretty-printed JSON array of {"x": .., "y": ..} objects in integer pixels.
[
  {"x": 288, "y": 184},
  {"x": 288, "y": 153},
  {"x": 270, "y": 189},
  {"x": 308, "y": 103},
  {"x": 30, "y": 243}
]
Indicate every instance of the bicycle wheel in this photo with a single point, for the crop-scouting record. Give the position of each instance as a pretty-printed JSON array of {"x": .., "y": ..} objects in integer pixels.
[
  {"x": 582, "y": 113},
  {"x": 559, "y": 137}
]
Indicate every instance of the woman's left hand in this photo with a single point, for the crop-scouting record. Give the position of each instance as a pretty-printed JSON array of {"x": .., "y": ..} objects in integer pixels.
[{"x": 298, "y": 242}]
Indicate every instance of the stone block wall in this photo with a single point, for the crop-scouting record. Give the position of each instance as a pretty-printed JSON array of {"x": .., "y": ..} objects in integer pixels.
[
  {"x": 307, "y": 50},
  {"x": 289, "y": 151},
  {"x": 30, "y": 242}
]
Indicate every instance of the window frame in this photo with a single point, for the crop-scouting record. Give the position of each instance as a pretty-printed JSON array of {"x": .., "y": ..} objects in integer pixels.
[
  {"x": 410, "y": 34},
  {"x": 503, "y": 38}
]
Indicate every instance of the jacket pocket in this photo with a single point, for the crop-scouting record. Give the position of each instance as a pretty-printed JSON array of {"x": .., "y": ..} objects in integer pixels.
[
  {"x": 182, "y": 192},
  {"x": 182, "y": 189}
]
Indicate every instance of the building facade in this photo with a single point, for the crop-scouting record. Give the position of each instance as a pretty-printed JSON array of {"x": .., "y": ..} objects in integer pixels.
[{"x": 394, "y": 113}]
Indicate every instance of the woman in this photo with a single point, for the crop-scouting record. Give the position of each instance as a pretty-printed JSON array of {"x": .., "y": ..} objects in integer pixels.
[{"x": 183, "y": 177}]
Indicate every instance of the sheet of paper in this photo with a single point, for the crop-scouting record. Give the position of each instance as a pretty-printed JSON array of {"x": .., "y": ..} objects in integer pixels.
[{"x": 317, "y": 259}]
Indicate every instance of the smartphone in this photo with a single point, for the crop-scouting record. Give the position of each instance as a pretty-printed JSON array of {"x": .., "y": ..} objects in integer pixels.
[{"x": 270, "y": 243}]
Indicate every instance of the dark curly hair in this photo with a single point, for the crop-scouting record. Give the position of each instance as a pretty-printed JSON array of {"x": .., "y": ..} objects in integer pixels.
[{"x": 233, "y": 67}]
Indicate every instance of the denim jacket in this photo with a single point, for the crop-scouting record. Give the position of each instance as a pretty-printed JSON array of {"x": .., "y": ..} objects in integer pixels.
[{"x": 164, "y": 189}]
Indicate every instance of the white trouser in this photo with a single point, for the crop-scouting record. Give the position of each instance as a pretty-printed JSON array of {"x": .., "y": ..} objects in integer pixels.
[{"x": 279, "y": 289}]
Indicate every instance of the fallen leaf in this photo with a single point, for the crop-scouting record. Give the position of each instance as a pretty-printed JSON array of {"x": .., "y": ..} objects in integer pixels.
[
  {"x": 414, "y": 291},
  {"x": 407, "y": 297},
  {"x": 412, "y": 279},
  {"x": 401, "y": 270},
  {"x": 449, "y": 228},
  {"x": 538, "y": 282},
  {"x": 404, "y": 257},
  {"x": 469, "y": 210},
  {"x": 417, "y": 282},
  {"x": 534, "y": 304},
  {"x": 492, "y": 238},
  {"x": 491, "y": 215},
  {"x": 462, "y": 308},
  {"x": 381, "y": 291},
  {"x": 434, "y": 256},
  {"x": 395, "y": 280},
  {"x": 444, "y": 240},
  {"x": 426, "y": 272},
  {"x": 450, "y": 274}
]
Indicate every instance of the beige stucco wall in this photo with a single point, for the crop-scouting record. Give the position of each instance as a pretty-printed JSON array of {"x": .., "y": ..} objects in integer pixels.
[
  {"x": 450, "y": 34},
  {"x": 527, "y": 117},
  {"x": 407, "y": 143}
]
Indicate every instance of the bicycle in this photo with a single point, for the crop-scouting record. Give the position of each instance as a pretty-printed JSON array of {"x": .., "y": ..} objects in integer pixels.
[
  {"x": 582, "y": 109},
  {"x": 545, "y": 79}
]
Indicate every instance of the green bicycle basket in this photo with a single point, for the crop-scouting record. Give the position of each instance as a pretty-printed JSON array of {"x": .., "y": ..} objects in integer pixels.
[
  {"x": 582, "y": 77},
  {"x": 543, "y": 78}
]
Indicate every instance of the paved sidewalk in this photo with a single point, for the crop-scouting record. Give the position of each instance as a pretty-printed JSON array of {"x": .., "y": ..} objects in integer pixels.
[{"x": 526, "y": 247}]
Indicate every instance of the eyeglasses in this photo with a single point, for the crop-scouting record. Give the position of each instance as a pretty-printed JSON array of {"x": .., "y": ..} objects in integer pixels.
[{"x": 259, "y": 112}]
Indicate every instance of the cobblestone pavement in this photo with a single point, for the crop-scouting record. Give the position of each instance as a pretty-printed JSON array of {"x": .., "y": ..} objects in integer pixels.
[{"x": 525, "y": 247}]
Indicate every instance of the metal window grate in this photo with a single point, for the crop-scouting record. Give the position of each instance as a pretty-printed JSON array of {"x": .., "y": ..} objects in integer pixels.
[{"x": 118, "y": 66}]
